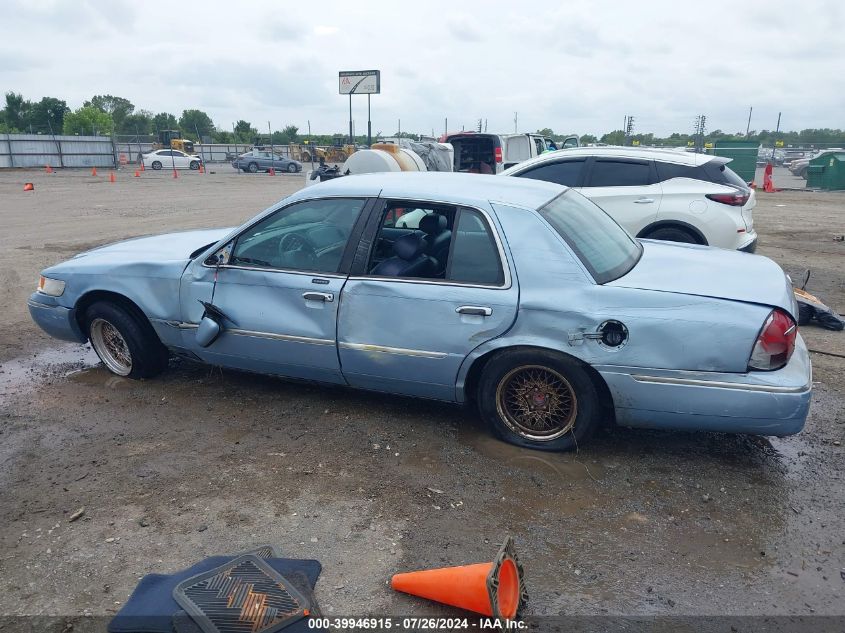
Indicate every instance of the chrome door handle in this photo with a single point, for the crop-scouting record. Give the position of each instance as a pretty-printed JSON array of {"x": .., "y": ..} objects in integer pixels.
[
  {"x": 474, "y": 310},
  {"x": 326, "y": 297},
  {"x": 644, "y": 201}
]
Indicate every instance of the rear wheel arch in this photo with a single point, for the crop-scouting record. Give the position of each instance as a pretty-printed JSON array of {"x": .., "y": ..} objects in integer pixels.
[
  {"x": 674, "y": 224},
  {"x": 476, "y": 370}
]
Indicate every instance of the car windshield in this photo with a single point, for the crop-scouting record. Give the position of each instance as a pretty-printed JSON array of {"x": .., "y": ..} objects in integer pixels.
[{"x": 604, "y": 247}]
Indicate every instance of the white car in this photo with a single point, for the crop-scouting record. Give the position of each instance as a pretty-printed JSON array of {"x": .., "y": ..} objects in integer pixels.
[
  {"x": 657, "y": 194},
  {"x": 171, "y": 159}
]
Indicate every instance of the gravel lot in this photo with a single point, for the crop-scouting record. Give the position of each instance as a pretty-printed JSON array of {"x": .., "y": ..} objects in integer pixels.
[{"x": 201, "y": 462}]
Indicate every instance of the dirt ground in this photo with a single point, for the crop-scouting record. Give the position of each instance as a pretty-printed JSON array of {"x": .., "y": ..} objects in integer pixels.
[{"x": 201, "y": 462}]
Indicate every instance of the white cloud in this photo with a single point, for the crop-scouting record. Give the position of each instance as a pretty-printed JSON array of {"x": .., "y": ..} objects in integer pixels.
[{"x": 577, "y": 67}]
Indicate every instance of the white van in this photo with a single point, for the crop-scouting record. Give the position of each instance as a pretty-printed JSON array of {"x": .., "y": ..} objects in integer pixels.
[{"x": 482, "y": 153}]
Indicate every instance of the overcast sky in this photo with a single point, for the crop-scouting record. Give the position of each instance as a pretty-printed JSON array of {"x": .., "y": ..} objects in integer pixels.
[{"x": 571, "y": 66}]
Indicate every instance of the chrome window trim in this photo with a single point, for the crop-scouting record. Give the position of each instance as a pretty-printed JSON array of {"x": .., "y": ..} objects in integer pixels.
[
  {"x": 400, "y": 351},
  {"x": 503, "y": 260},
  {"x": 288, "y": 271},
  {"x": 741, "y": 386}
]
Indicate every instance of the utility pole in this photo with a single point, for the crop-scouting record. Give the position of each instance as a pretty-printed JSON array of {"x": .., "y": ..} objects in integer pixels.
[
  {"x": 700, "y": 127},
  {"x": 272, "y": 149},
  {"x": 515, "y": 122},
  {"x": 748, "y": 127},
  {"x": 775, "y": 140},
  {"x": 629, "y": 128},
  {"x": 369, "y": 123}
]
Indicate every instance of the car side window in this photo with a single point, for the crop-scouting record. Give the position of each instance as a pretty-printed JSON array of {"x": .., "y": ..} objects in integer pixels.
[
  {"x": 165, "y": 152},
  {"x": 309, "y": 235},
  {"x": 565, "y": 172},
  {"x": 617, "y": 173},
  {"x": 667, "y": 171},
  {"x": 475, "y": 257}
]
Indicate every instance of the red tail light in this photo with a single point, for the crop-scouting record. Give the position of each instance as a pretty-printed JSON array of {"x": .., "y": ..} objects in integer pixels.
[
  {"x": 737, "y": 199},
  {"x": 775, "y": 343},
  {"x": 498, "y": 153}
]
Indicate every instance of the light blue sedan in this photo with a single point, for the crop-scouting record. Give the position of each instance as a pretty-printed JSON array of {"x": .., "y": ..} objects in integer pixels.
[{"x": 518, "y": 295}]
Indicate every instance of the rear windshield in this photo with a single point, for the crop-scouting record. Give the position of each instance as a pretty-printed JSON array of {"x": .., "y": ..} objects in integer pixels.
[
  {"x": 604, "y": 247},
  {"x": 715, "y": 171}
]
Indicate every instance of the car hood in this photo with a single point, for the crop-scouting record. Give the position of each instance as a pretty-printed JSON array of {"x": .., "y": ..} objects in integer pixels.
[
  {"x": 710, "y": 272},
  {"x": 167, "y": 247}
]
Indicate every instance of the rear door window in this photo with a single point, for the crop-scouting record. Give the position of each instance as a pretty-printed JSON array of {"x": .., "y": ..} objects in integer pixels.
[
  {"x": 475, "y": 256},
  {"x": 617, "y": 173},
  {"x": 667, "y": 171},
  {"x": 565, "y": 172}
]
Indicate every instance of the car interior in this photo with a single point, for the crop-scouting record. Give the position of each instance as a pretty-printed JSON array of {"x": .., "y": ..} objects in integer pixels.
[
  {"x": 436, "y": 242},
  {"x": 309, "y": 236},
  {"x": 413, "y": 242}
]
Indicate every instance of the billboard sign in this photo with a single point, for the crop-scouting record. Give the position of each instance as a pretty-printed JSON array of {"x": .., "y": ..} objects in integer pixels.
[{"x": 360, "y": 82}]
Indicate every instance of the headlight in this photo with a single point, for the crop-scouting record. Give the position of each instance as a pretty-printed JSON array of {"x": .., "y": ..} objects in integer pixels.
[{"x": 52, "y": 287}]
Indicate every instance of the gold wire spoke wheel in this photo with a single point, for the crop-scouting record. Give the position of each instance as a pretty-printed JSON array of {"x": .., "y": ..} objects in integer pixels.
[
  {"x": 111, "y": 347},
  {"x": 537, "y": 403}
]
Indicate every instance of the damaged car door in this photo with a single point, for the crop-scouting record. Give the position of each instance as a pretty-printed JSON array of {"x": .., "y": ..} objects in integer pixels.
[
  {"x": 274, "y": 291},
  {"x": 419, "y": 301}
]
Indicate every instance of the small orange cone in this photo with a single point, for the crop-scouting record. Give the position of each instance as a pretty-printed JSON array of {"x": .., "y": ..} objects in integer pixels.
[
  {"x": 142, "y": 166},
  {"x": 175, "y": 174},
  {"x": 28, "y": 186},
  {"x": 137, "y": 173},
  {"x": 493, "y": 589},
  {"x": 202, "y": 169},
  {"x": 48, "y": 169},
  {"x": 112, "y": 177},
  {"x": 93, "y": 171}
]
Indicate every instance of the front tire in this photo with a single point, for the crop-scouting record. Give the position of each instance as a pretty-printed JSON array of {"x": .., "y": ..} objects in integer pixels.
[
  {"x": 194, "y": 165},
  {"x": 672, "y": 234},
  {"x": 156, "y": 165},
  {"x": 538, "y": 400},
  {"x": 292, "y": 168},
  {"x": 125, "y": 343},
  {"x": 253, "y": 168}
]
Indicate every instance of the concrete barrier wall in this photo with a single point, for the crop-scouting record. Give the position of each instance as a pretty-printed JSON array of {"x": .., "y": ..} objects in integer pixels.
[{"x": 38, "y": 150}]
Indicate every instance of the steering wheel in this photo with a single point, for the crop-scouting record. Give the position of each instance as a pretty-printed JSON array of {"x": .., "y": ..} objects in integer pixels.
[{"x": 297, "y": 251}]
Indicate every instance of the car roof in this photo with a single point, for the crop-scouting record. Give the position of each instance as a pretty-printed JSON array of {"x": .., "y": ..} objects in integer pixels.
[
  {"x": 678, "y": 157},
  {"x": 449, "y": 187}
]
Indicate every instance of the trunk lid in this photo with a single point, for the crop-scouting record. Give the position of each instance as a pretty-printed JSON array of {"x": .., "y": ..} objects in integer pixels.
[{"x": 710, "y": 272}]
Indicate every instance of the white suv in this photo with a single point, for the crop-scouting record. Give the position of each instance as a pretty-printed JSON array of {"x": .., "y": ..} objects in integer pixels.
[{"x": 656, "y": 194}]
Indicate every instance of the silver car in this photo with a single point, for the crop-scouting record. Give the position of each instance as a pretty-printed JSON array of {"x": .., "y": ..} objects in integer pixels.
[
  {"x": 521, "y": 296},
  {"x": 262, "y": 160}
]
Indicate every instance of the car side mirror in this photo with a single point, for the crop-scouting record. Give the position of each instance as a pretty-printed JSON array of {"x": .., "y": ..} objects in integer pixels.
[
  {"x": 207, "y": 331},
  {"x": 220, "y": 257}
]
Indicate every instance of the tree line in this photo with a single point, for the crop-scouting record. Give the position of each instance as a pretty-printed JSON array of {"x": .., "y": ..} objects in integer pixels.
[{"x": 107, "y": 115}]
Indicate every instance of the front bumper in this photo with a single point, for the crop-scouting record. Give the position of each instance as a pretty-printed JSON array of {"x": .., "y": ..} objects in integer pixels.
[
  {"x": 58, "y": 321},
  {"x": 760, "y": 403}
]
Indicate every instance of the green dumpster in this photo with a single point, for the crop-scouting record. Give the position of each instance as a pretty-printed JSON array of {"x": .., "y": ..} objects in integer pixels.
[
  {"x": 827, "y": 172},
  {"x": 743, "y": 155}
]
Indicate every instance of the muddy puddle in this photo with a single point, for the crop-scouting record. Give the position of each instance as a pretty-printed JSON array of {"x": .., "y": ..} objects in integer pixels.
[{"x": 25, "y": 374}]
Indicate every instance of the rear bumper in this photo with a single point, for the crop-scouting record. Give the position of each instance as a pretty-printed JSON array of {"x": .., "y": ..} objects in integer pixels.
[
  {"x": 58, "y": 321},
  {"x": 750, "y": 247},
  {"x": 760, "y": 403}
]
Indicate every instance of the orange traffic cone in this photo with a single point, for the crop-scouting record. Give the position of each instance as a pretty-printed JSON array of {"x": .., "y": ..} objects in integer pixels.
[
  {"x": 272, "y": 171},
  {"x": 48, "y": 169},
  {"x": 175, "y": 174},
  {"x": 28, "y": 186},
  {"x": 112, "y": 177},
  {"x": 493, "y": 589},
  {"x": 142, "y": 167},
  {"x": 768, "y": 184},
  {"x": 202, "y": 169},
  {"x": 137, "y": 173},
  {"x": 93, "y": 171}
]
